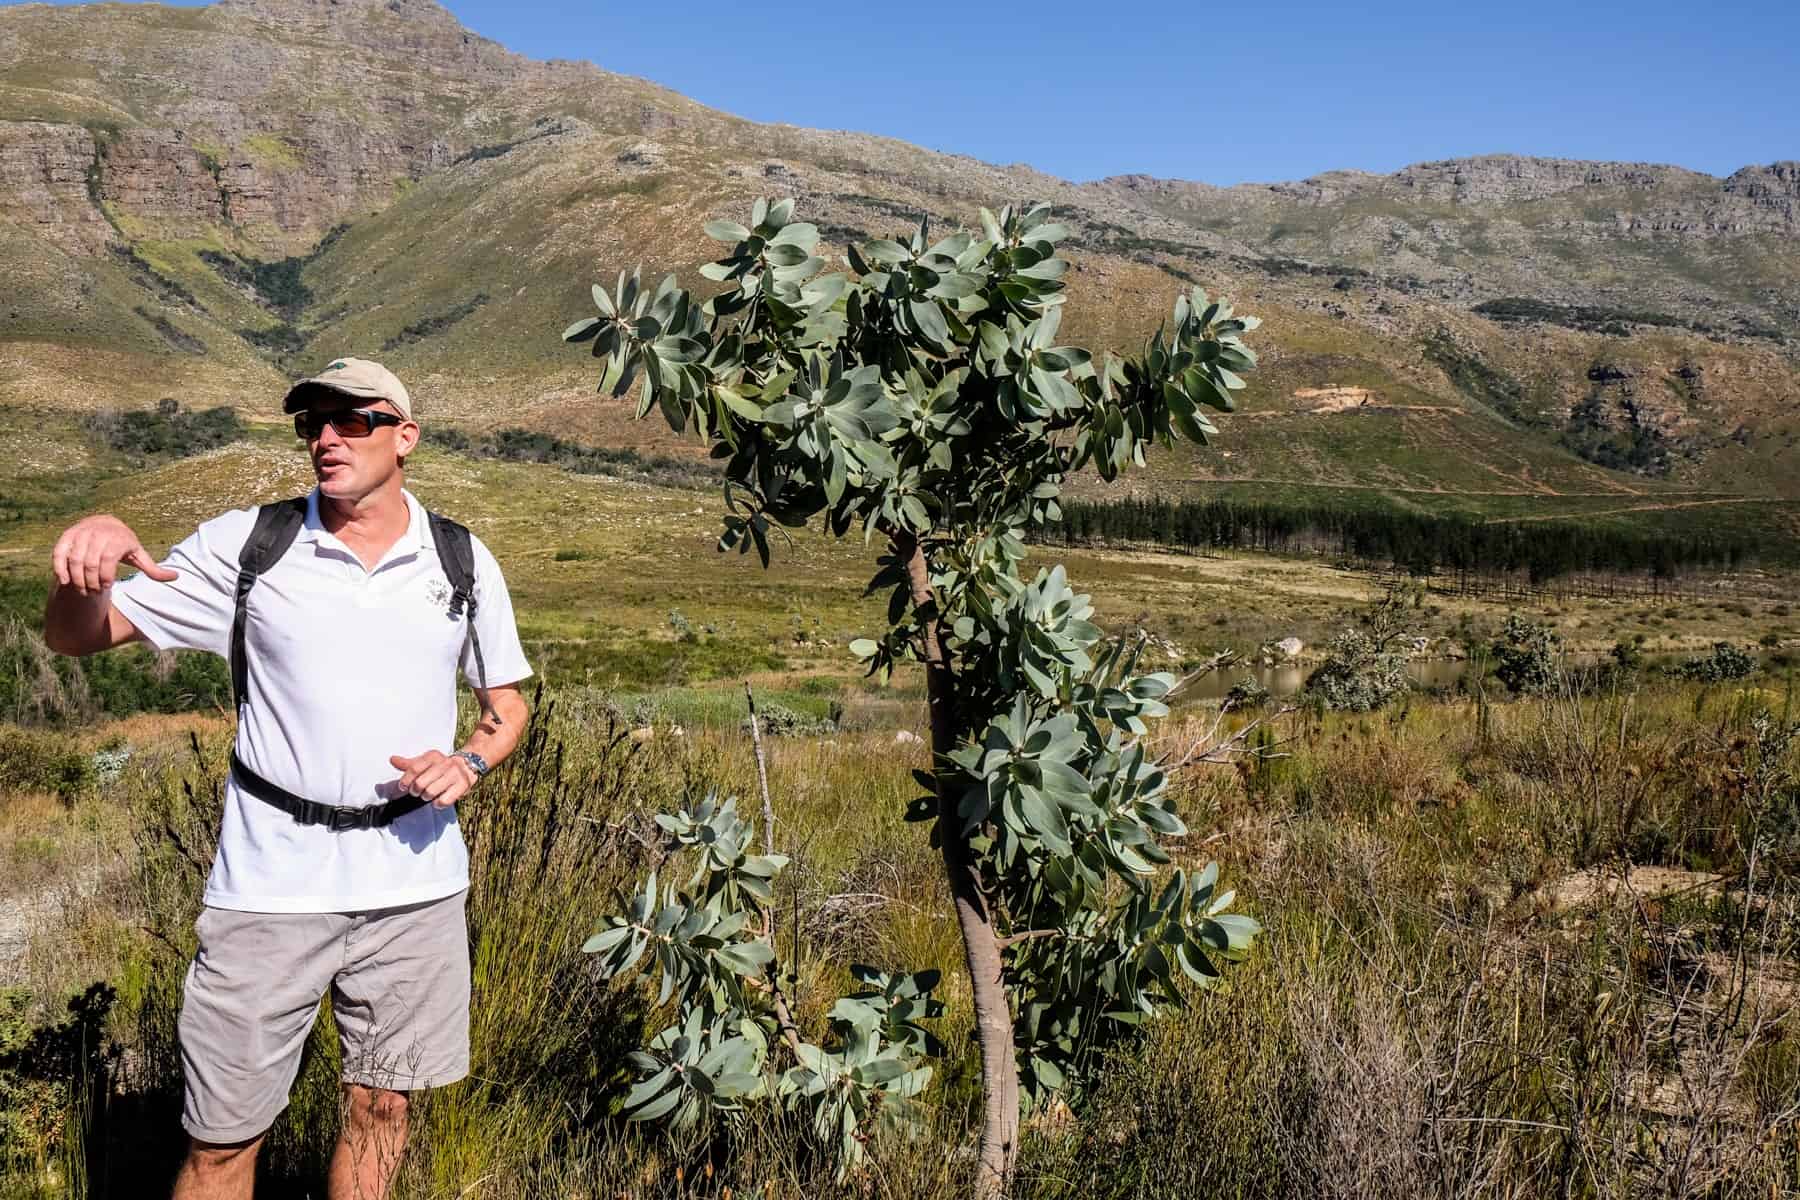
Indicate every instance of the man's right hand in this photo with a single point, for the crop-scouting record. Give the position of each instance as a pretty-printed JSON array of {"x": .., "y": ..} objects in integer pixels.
[{"x": 88, "y": 554}]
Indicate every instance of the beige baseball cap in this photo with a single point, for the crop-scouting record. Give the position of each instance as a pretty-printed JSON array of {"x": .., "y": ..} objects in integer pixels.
[{"x": 356, "y": 377}]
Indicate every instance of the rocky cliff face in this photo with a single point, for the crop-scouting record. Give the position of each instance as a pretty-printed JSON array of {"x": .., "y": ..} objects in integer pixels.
[
  {"x": 46, "y": 172},
  {"x": 1775, "y": 187},
  {"x": 156, "y": 175},
  {"x": 1593, "y": 245},
  {"x": 1510, "y": 179},
  {"x": 429, "y": 36},
  {"x": 276, "y": 119},
  {"x": 1646, "y": 197}
]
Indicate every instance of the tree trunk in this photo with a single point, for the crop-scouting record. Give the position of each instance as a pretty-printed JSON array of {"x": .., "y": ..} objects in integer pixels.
[{"x": 981, "y": 945}]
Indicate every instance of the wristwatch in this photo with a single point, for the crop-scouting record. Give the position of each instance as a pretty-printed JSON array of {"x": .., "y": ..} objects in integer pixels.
[{"x": 477, "y": 763}]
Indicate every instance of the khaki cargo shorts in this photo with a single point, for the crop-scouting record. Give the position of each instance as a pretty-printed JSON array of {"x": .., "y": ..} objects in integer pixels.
[{"x": 399, "y": 984}]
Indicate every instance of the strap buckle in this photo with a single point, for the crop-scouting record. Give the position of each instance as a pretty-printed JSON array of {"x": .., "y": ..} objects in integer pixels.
[
  {"x": 335, "y": 817},
  {"x": 349, "y": 818}
]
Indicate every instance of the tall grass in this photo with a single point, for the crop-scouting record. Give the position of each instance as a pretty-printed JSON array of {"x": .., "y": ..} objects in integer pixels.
[{"x": 1539, "y": 949}]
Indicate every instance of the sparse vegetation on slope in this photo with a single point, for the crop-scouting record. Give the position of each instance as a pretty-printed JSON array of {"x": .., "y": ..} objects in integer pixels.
[{"x": 1486, "y": 266}]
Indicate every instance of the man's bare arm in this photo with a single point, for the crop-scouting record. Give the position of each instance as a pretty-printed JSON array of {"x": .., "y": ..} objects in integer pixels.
[
  {"x": 443, "y": 778},
  {"x": 79, "y": 617},
  {"x": 494, "y": 742}
]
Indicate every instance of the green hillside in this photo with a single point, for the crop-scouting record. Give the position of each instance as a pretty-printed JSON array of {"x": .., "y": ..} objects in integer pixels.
[{"x": 275, "y": 183}]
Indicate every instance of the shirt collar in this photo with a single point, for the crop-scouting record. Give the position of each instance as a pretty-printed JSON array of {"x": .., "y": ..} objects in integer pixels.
[{"x": 411, "y": 541}]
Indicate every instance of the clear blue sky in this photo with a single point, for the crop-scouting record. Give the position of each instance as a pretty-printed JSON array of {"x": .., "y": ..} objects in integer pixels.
[{"x": 1213, "y": 92}]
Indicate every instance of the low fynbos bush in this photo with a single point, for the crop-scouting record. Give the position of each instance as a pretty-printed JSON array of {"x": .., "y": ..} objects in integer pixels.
[
  {"x": 1627, "y": 656},
  {"x": 167, "y": 431},
  {"x": 778, "y": 720},
  {"x": 1248, "y": 692},
  {"x": 40, "y": 761},
  {"x": 1525, "y": 656},
  {"x": 1725, "y": 662},
  {"x": 108, "y": 765},
  {"x": 48, "y": 1073},
  {"x": 1359, "y": 674}
]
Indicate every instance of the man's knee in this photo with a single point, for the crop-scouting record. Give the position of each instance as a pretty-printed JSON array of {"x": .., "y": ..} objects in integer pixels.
[
  {"x": 217, "y": 1155},
  {"x": 210, "y": 1163},
  {"x": 373, "y": 1107}
]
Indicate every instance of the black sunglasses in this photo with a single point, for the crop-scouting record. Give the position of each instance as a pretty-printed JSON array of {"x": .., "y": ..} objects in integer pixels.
[{"x": 349, "y": 422}]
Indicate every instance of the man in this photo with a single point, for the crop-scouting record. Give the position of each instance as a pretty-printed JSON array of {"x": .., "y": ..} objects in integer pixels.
[{"x": 340, "y": 865}]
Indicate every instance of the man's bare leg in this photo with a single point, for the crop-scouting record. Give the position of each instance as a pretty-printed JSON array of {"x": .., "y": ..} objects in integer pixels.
[
  {"x": 218, "y": 1172},
  {"x": 370, "y": 1145}
]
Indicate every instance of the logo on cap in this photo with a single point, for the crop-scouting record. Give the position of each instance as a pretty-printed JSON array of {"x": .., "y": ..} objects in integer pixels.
[{"x": 339, "y": 365}]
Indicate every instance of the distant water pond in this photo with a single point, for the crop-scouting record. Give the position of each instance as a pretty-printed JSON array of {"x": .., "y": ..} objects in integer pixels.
[{"x": 1284, "y": 679}]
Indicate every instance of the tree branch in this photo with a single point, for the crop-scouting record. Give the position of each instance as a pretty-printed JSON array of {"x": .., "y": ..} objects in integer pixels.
[
  {"x": 784, "y": 1017},
  {"x": 1210, "y": 749},
  {"x": 1217, "y": 662},
  {"x": 1031, "y": 935},
  {"x": 762, "y": 774}
]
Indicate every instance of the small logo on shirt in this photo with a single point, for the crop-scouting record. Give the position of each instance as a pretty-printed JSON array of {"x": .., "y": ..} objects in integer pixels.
[{"x": 438, "y": 592}]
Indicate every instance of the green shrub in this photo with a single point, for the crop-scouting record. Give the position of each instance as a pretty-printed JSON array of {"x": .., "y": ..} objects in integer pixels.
[
  {"x": 165, "y": 432},
  {"x": 433, "y": 325},
  {"x": 778, "y": 720},
  {"x": 38, "y": 687},
  {"x": 39, "y": 761},
  {"x": 1525, "y": 656},
  {"x": 280, "y": 338},
  {"x": 1359, "y": 674},
  {"x": 276, "y": 284},
  {"x": 1725, "y": 662},
  {"x": 50, "y": 1076},
  {"x": 1248, "y": 692}
]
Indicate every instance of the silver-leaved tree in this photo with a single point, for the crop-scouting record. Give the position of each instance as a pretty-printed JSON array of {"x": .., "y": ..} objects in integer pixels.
[{"x": 921, "y": 397}]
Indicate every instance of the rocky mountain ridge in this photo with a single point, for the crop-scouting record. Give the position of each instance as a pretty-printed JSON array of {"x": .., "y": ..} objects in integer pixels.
[
  {"x": 277, "y": 119},
  {"x": 199, "y": 197},
  {"x": 1503, "y": 179}
]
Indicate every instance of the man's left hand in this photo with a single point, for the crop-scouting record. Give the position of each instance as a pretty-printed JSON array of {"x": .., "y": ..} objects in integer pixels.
[{"x": 440, "y": 778}]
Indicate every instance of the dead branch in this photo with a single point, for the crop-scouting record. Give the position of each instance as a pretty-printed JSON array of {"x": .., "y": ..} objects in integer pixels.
[{"x": 1211, "y": 748}]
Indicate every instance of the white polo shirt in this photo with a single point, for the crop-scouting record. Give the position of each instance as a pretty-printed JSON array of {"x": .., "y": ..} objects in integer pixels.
[{"x": 346, "y": 666}]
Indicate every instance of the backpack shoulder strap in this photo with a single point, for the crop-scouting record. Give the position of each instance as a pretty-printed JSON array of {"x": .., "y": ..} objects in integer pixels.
[
  {"x": 277, "y": 525},
  {"x": 456, "y": 554}
]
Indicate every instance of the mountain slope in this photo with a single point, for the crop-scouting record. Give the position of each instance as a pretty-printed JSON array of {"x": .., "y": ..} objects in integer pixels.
[
  {"x": 204, "y": 202},
  {"x": 1633, "y": 237}
]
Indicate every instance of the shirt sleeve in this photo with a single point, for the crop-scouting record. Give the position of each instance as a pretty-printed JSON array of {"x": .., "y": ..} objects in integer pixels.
[
  {"x": 194, "y": 610},
  {"x": 494, "y": 624}
]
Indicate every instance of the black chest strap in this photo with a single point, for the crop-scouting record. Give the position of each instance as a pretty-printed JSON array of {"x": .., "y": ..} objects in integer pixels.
[{"x": 338, "y": 817}]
